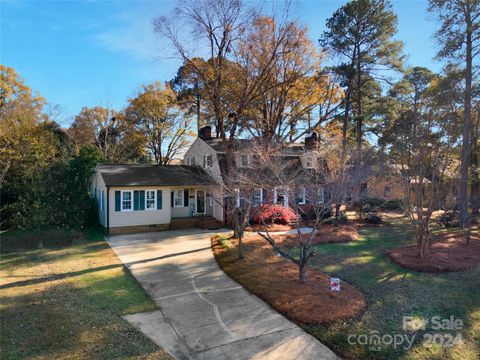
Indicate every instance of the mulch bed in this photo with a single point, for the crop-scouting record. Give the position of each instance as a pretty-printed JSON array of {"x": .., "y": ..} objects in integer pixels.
[
  {"x": 275, "y": 280},
  {"x": 271, "y": 227},
  {"x": 327, "y": 234},
  {"x": 447, "y": 253}
]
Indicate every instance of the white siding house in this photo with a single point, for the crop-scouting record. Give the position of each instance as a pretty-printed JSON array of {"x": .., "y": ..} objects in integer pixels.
[{"x": 147, "y": 197}]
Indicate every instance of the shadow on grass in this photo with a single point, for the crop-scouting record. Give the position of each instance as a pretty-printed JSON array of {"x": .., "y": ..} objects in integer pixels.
[
  {"x": 91, "y": 270},
  {"x": 392, "y": 292},
  {"x": 61, "y": 321}
]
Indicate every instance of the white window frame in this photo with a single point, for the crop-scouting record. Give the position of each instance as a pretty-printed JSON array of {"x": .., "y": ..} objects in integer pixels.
[
  {"x": 175, "y": 197},
  {"x": 207, "y": 157},
  {"x": 303, "y": 193},
  {"x": 284, "y": 191},
  {"x": 131, "y": 200},
  {"x": 154, "y": 200},
  {"x": 237, "y": 192},
  {"x": 254, "y": 195},
  {"x": 309, "y": 162}
]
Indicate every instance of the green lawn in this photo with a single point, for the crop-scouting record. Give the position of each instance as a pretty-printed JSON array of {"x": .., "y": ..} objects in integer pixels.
[
  {"x": 67, "y": 299},
  {"x": 393, "y": 292}
]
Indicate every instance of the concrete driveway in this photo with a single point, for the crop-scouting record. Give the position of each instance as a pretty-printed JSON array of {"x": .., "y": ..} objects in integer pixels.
[{"x": 203, "y": 313}]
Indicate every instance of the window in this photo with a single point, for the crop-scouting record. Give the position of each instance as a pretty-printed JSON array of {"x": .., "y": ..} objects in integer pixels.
[
  {"x": 257, "y": 196},
  {"x": 150, "y": 197},
  {"x": 188, "y": 161},
  {"x": 309, "y": 164},
  {"x": 178, "y": 198},
  {"x": 209, "y": 161},
  {"x": 127, "y": 201},
  {"x": 102, "y": 194},
  {"x": 280, "y": 196},
  {"x": 387, "y": 191},
  {"x": 192, "y": 161},
  {"x": 244, "y": 160},
  {"x": 256, "y": 160},
  {"x": 301, "y": 196}
]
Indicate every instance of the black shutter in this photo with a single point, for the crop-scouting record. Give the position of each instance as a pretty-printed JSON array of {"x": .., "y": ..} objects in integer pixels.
[
  {"x": 185, "y": 197},
  {"x": 159, "y": 199},
  {"x": 117, "y": 200},
  {"x": 142, "y": 200},
  {"x": 136, "y": 200},
  {"x": 171, "y": 199}
]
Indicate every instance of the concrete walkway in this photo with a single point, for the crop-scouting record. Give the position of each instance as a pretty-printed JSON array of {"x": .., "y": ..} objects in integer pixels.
[{"x": 203, "y": 313}]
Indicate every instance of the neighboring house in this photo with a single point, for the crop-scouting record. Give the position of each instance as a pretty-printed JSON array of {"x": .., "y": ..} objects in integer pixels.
[{"x": 135, "y": 198}]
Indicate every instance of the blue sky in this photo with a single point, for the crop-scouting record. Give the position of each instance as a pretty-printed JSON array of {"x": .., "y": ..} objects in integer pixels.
[{"x": 87, "y": 53}]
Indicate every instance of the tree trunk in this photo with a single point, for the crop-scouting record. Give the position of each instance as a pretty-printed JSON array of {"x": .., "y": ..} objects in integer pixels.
[
  {"x": 302, "y": 273},
  {"x": 463, "y": 195},
  {"x": 359, "y": 120},
  {"x": 475, "y": 182},
  {"x": 240, "y": 248}
]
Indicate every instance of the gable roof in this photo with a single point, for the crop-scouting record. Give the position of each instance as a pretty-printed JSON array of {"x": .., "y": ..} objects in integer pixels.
[
  {"x": 153, "y": 175},
  {"x": 218, "y": 145}
]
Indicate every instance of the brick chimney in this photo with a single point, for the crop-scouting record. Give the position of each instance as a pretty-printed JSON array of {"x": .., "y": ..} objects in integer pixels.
[
  {"x": 311, "y": 140},
  {"x": 205, "y": 132}
]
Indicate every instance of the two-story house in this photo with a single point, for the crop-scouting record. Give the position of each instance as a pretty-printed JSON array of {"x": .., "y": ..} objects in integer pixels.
[
  {"x": 209, "y": 153},
  {"x": 140, "y": 197}
]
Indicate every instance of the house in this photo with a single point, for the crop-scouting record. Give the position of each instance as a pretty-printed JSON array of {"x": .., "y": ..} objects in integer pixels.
[
  {"x": 134, "y": 198},
  {"x": 209, "y": 153}
]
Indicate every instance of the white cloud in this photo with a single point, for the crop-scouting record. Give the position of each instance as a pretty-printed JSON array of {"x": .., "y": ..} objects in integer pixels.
[{"x": 132, "y": 33}]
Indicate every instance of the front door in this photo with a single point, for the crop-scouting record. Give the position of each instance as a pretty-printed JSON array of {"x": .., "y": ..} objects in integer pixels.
[{"x": 200, "y": 201}]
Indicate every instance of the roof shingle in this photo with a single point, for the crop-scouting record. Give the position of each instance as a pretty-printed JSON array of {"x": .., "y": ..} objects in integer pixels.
[{"x": 153, "y": 175}]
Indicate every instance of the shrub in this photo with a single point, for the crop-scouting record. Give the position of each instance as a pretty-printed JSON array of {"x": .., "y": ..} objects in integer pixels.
[
  {"x": 393, "y": 205},
  {"x": 342, "y": 219},
  {"x": 273, "y": 214},
  {"x": 18, "y": 240},
  {"x": 373, "y": 218},
  {"x": 450, "y": 218}
]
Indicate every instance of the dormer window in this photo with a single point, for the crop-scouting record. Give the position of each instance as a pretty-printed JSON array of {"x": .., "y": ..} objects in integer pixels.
[
  {"x": 309, "y": 164},
  {"x": 244, "y": 160},
  {"x": 207, "y": 161}
]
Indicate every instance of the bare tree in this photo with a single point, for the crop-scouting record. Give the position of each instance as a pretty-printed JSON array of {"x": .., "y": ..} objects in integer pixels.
[
  {"x": 430, "y": 157},
  {"x": 303, "y": 189},
  {"x": 234, "y": 75}
]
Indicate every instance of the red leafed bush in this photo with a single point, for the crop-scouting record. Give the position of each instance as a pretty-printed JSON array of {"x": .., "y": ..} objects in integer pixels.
[{"x": 272, "y": 214}]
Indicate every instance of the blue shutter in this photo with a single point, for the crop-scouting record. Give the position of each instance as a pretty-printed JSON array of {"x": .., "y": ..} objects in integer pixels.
[
  {"x": 159, "y": 199},
  {"x": 171, "y": 199},
  {"x": 136, "y": 200},
  {"x": 185, "y": 197},
  {"x": 117, "y": 200},
  {"x": 142, "y": 200}
]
